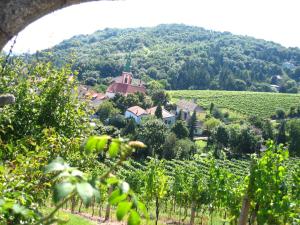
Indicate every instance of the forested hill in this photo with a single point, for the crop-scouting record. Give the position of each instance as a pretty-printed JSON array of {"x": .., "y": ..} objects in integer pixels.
[{"x": 182, "y": 57}]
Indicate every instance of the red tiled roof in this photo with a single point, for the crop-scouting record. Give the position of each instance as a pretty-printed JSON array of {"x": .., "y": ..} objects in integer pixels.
[
  {"x": 125, "y": 88},
  {"x": 101, "y": 96},
  {"x": 137, "y": 110},
  {"x": 165, "y": 113}
]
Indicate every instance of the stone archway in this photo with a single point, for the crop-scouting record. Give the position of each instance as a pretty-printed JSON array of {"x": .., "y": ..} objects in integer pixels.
[{"x": 15, "y": 15}]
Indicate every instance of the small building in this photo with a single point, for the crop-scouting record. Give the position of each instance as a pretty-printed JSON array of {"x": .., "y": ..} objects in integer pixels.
[
  {"x": 187, "y": 108},
  {"x": 168, "y": 118},
  {"x": 92, "y": 97},
  {"x": 125, "y": 87},
  {"x": 97, "y": 99},
  {"x": 125, "y": 84},
  {"x": 136, "y": 113}
]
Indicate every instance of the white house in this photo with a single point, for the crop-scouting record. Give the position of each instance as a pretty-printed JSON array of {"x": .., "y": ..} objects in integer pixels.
[
  {"x": 136, "y": 113},
  {"x": 168, "y": 118}
]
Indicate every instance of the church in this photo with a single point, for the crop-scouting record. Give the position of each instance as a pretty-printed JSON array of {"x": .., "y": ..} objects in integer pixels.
[{"x": 125, "y": 84}]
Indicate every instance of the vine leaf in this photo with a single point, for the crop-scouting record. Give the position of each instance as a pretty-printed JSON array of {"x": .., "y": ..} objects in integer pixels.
[
  {"x": 85, "y": 191},
  {"x": 62, "y": 190},
  {"x": 134, "y": 218},
  {"x": 122, "y": 209},
  {"x": 56, "y": 165},
  {"x": 114, "y": 149}
]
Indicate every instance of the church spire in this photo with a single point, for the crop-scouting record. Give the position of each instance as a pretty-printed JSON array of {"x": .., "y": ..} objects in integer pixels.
[{"x": 128, "y": 63}]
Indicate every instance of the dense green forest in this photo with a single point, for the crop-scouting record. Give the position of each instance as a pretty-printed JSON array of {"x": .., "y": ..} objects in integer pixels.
[{"x": 180, "y": 57}]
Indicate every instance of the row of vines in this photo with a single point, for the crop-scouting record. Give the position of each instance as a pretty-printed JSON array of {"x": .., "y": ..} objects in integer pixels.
[
  {"x": 205, "y": 191},
  {"x": 247, "y": 103},
  {"x": 262, "y": 190}
]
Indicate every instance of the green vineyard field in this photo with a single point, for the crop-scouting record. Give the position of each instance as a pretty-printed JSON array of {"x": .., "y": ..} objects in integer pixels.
[{"x": 248, "y": 103}]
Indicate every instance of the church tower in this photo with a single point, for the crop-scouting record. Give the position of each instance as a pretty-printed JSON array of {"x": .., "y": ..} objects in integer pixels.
[{"x": 127, "y": 75}]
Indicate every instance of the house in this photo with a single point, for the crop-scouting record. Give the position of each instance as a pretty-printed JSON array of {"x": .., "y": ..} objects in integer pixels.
[
  {"x": 168, "y": 118},
  {"x": 94, "y": 98},
  {"x": 97, "y": 99},
  {"x": 125, "y": 84},
  {"x": 187, "y": 108},
  {"x": 136, "y": 113}
]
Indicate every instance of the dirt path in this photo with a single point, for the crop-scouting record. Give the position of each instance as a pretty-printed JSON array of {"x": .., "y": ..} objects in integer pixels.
[{"x": 97, "y": 219}]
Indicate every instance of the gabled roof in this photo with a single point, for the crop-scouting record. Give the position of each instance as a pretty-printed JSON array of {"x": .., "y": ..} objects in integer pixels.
[
  {"x": 125, "y": 88},
  {"x": 165, "y": 113},
  {"x": 186, "y": 105},
  {"x": 135, "y": 82},
  {"x": 138, "y": 111}
]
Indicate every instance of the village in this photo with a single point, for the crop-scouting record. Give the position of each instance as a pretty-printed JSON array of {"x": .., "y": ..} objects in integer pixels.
[{"x": 126, "y": 85}]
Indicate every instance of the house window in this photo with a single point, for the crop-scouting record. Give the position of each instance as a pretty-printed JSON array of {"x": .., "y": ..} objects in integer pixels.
[{"x": 185, "y": 115}]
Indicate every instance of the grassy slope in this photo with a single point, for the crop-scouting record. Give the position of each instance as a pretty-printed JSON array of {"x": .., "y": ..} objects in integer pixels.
[
  {"x": 71, "y": 218},
  {"x": 248, "y": 103}
]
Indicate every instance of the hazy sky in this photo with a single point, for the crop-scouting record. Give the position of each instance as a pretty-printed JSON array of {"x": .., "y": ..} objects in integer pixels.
[{"x": 275, "y": 20}]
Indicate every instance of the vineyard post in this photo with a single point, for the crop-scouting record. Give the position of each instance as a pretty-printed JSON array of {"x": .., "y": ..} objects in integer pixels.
[
  {"x": 247, "y": 198},
  {"x": 193, "y": 212},
  {"x": 107, "y": 211}
]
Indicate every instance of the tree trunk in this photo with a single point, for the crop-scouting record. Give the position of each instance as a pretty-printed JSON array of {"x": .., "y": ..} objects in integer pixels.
[
  {"x": 107, "y": 211},
  {"x": 93, "y": 207},
  {"x": 79, "y": 210},
  {"x": 100, "y": 210},
  {"x": 193, "y": 213},
  {"x": 73, "y": 204},
  {"x": 157, "y": 209},
  {"x": 245, "y": 210},
  {"x": 254, "y": 214}
]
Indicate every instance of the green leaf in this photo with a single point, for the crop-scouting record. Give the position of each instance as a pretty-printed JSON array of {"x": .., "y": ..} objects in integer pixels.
[
  {"x": 124, "y": 186},
  {"x": 62, "y": 190},
  {"x": 97, "y": 196},
  {"x": 116, "y": 197},
  {"x": 96, "y": 143},
  {"x": 101, "y": 144},
  {"x": 20, "y": 209},
  {"x": 90, "y": 145},
  {"x": 114, "y": 149},
  {"x": 141, "y": 206},
  {"x": 134, "y": 218},
  {"x": 112, "y": 180},
  {"x": 56, "y": 165},
  {"x": 122, "y": 209},
  {"x": 85, "y": 191}
]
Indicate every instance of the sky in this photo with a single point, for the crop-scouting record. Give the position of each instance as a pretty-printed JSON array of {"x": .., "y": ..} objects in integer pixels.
[{"x": 273, "y": 20}]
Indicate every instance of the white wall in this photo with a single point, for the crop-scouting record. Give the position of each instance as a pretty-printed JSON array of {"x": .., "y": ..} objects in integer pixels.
[
  {"x": 136, "y": 118},
  {"x": 110, "y": 95}
]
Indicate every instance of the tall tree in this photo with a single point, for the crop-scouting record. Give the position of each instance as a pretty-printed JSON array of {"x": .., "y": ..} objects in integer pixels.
[
  {"x": 158, "y": 112},
  {"x": 153, "y": 133},
  {"x": 192, "y": 125},
  {"x": 180, "y": 129},
  {"x": 294, "y": 138},
  {"x": 281, "y": 136}
]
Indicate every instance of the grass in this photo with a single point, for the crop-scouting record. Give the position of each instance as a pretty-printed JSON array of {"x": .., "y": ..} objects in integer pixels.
[
  {"x": 201, "y": 144},
  {"x": 72, "y": 218},
  {"x": 246, "y": 103}
]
